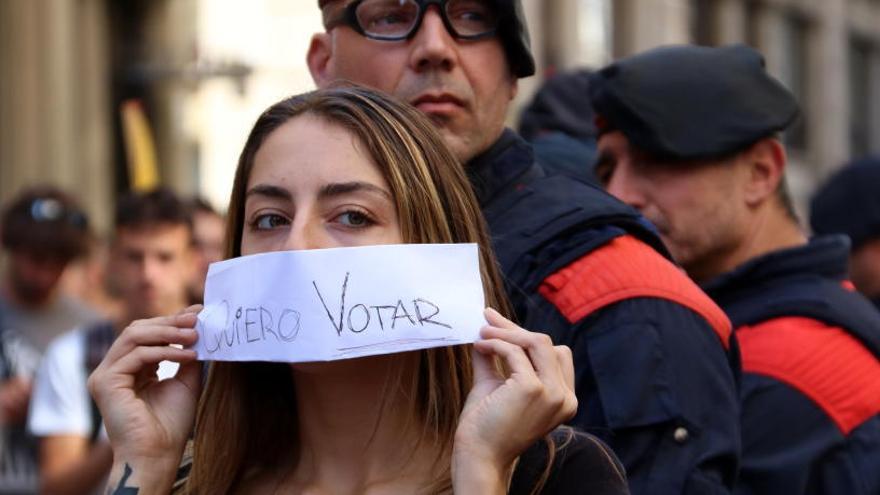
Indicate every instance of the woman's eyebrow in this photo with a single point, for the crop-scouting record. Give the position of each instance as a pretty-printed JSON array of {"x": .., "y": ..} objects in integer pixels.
[
  {"x": 269, "y": 191},
  {"x": 340, "y": 188}
]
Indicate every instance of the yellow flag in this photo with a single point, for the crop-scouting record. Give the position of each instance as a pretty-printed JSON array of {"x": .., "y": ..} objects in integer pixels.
[{"x": 140, "y": 149}]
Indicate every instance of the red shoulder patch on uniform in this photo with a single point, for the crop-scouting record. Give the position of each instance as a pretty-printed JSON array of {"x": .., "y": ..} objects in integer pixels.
[
  {"x": 588, "y": 284},
  {"x": 825, "y": 363}
]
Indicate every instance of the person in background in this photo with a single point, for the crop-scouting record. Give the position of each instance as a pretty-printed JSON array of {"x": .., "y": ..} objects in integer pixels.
[
  {"x": 558, "y": 122},
  {"x": 42, "y": 230},
  {"x": 209, "y": 230},
  {"x": 691, "y": 137},
  {"x": 849, "y": 203},
  {"x": 87, "y": 279},
  {"x": 18, "y": 465},
  {"x": 654, "y": 375},
  {"x": 152, "y": 262}
]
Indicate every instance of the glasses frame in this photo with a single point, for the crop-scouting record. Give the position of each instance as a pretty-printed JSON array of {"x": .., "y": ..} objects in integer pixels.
[{"x": 349, "y": 18}]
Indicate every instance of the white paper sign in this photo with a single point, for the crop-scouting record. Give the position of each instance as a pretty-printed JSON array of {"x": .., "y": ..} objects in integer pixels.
[{"x": 328, "y": 304}]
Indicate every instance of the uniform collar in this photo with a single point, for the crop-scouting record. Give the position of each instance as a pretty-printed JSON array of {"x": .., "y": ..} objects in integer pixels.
[
  {"x": 822, "y": 256},
  {"x": 502, "y": 165}
]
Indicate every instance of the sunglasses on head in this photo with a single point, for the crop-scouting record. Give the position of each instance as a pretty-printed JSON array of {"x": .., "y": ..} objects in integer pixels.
[{"x": 53, "y": 210}]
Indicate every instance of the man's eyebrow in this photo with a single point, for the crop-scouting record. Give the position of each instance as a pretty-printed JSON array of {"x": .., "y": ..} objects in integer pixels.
[
  {"x": 340, "y": 188},
  {"x": 269, "y": 191}
]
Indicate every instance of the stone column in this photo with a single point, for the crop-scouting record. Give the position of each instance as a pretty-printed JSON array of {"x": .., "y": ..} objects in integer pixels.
[
  {"x": 731, "y": 21},
  {"x": 171, "y": 40},
  {"x": 54, "y": 126},
  {"x": 577, "y": 33},
  {"x": 643, "y": 24},
  {"x": 829, "y": 130},
  {"x": 93, "y": 119}
]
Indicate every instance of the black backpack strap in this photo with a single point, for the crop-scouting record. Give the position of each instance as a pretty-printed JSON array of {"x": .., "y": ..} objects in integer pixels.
[{"x": 99, "y": 338}]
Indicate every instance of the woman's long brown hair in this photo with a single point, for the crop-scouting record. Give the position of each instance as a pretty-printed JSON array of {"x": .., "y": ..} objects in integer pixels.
[{"x": 246, "y": 423}]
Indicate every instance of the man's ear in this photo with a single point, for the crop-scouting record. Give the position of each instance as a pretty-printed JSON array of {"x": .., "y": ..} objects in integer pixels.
[
  {"x": 318, "y": 59},
  {"x": 766, "y": 162}
]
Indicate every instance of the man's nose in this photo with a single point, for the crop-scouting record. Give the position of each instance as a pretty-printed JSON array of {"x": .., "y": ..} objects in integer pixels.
[
  {"x": 433, "y": 47},
  {"x": 626, "y": 187},
  {"x": 150, "y": 268}
]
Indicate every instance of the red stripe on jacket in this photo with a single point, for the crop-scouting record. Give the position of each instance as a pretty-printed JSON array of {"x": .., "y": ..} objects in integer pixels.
[
  {"x": 639, "y": 271},
  {"x": 823, "y": 362}
]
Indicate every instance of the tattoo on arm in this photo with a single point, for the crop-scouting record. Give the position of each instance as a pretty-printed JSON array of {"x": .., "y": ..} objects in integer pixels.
[{"x": 121, "y": 489}]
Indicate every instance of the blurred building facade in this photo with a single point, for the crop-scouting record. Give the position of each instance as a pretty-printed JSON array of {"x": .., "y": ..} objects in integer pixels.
[{"x": 204, "y": 69}]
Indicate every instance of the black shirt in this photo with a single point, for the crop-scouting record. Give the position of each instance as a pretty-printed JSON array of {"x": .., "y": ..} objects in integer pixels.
[{"x": 581, "y": 464}]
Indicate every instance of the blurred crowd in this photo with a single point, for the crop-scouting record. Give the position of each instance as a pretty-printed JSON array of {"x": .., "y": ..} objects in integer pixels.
[{"x": 65, "y": 294}]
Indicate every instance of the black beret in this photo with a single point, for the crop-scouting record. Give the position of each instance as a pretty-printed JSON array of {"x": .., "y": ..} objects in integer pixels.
[
  {"x": 849, "y": 203},
  {"x": 691, "y": 102},
  {"x": 559, "y": 105}
]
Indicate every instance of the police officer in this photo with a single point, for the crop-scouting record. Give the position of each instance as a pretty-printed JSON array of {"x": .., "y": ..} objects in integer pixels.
[
  {"x": 653, "y": 376},
  {"x": 690, "y": 136},
  {"x": 849, "y": 203}
]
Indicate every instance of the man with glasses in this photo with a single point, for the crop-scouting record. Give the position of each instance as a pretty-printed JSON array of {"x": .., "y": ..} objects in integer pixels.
[{"x": 653, "y": 375}]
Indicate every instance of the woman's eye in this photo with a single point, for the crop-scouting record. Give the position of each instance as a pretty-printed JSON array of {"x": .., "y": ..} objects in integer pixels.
[
  {"x": 269, "y": 222},
  {"x": 354, "y": 219}
]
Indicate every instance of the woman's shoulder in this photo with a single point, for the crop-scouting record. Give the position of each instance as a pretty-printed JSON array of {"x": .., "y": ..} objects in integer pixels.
[{"x": 569, "y": 461}]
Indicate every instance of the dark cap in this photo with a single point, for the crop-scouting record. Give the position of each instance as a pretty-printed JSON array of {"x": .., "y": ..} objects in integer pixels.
[
  {"x": 849, "y": 202},
  {"x": 688, "y": 102},
  {"x": 559, "y": 105},
  {"x": 46, "y": 222},
  {"x": 513, "y": 32}
]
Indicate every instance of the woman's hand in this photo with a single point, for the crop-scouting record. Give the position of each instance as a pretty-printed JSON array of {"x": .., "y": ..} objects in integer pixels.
[
  {"x": 148, "y": 421},
  {"x": 503, "y": 416}
]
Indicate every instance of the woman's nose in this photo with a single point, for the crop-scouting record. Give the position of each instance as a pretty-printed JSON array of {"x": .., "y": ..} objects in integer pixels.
[{"x": 302, "y": 235}]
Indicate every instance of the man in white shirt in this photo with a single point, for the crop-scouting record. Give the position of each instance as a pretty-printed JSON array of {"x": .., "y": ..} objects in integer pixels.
[{"x": 152, "y": 262}]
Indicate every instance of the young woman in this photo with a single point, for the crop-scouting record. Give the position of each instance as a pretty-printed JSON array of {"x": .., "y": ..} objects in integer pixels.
[{"x": 349, "y": 167}]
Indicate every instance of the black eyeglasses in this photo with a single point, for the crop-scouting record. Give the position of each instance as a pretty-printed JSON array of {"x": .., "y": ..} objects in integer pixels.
[
  {"x": 53, "y": 210},
  {"x": 396, "y": 20}
]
